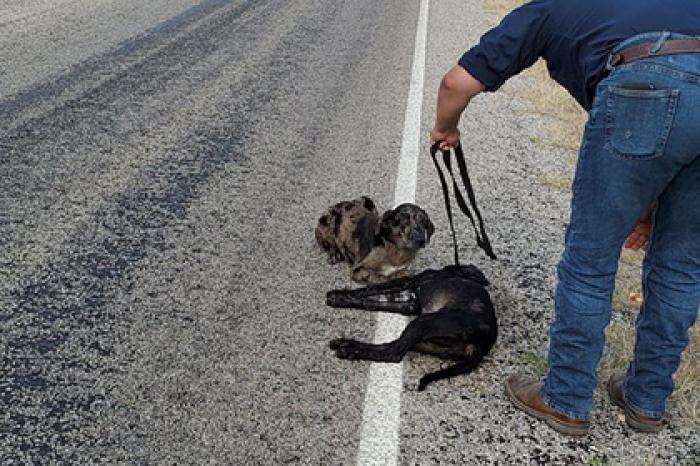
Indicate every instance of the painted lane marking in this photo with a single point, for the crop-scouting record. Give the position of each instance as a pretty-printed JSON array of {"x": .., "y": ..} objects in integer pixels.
[{"x": 381, "y": 415}]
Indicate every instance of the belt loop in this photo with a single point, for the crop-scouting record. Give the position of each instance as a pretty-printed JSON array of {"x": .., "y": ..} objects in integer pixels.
[
  {"x": 660, "y": 43},
  {"x": 613, "y": 60}
]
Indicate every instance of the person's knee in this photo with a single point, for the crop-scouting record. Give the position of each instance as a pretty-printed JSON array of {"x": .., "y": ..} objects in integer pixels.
[
  {"x": 590, "y": 271},
  {"x": 676, "y": 284}
]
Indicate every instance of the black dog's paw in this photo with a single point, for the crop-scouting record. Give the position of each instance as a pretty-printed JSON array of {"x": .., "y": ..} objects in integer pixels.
[
  {"x": 333, "y": 299},
  {"x": 346, "y": 351},
  {"x": 335, "y": 344},
  {"x": 344, "y": 348}
]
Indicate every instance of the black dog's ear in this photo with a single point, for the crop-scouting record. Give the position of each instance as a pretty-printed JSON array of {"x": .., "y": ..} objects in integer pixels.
[
  {"x": 474, "y": 274},
  {"x": 388, "y": 217},
  {"x": 384, "y": 229}
]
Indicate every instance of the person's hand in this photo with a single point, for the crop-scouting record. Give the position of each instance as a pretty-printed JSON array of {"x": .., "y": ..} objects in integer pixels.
[
  {"x": 639, "y": 238},
  {"x": 448, "y": 138}
]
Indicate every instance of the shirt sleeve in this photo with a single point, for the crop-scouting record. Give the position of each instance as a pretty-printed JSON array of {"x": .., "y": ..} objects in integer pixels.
[{"x": 515, "y": 44}]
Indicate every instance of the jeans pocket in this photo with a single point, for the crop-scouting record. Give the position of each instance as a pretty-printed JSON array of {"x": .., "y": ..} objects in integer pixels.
[{"x": 638, "y": 121}]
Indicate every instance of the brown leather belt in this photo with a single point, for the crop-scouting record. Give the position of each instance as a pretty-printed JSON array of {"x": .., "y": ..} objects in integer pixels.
[{"x": 669, "y": 47}]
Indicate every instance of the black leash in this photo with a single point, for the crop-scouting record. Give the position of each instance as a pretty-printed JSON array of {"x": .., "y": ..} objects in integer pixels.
[{"x": 481, "y": 239}]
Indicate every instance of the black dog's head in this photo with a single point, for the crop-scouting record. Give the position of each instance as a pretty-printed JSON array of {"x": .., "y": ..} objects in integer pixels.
[
  {"x": 407, "y": 226},
  {"x": 470, "y": 272}
]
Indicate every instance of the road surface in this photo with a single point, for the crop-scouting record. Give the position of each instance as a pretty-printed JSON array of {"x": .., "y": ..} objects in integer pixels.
[{"x": 162, "y": 166}]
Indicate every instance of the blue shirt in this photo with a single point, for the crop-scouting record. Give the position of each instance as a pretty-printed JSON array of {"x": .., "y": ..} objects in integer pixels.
[{"x": 574, "y": 37}]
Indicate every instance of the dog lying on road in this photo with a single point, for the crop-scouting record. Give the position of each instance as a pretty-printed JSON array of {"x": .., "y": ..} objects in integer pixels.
[
  {"x": 375, "y": 248},
  {"x": 456, "y": 319}
]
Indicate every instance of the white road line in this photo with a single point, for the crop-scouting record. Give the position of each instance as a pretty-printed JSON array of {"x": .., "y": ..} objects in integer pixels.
[{"x": 381, "y": 416}]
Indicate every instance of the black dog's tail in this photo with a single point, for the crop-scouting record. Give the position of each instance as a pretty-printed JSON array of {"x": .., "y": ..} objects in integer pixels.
[{"x": 462, "y": 367}]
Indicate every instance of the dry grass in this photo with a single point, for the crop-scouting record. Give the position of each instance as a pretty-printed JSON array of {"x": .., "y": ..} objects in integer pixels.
[
  {"x": 537, "y": 361},
  {"x": 628, "y": 280},
  {"x": 564, "y": 129},
  {"x": 546, "y": 97},
  {"x": 560, "y": 183}
]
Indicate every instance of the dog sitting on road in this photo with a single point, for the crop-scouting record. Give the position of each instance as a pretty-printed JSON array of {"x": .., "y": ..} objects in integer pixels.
[
  {"x": 456, "y": 319},
  {"x": 376, "y": 248}
]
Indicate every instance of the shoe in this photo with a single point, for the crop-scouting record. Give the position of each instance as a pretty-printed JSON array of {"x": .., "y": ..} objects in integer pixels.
[
  {"x": 636, "y": 420},
  {"x": 524, "y": 393}
]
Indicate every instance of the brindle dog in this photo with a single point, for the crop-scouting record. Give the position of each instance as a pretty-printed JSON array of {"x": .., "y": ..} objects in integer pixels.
[
  {"x": 375, "y": 248},
  {"x": 456, "y": 319}
]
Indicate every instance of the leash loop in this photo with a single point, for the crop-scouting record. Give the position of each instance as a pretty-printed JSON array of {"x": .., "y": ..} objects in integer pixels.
[{"x": 481, "y": 238}]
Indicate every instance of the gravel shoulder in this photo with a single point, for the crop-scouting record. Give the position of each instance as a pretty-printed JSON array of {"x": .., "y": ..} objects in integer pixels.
[{"x": 468, "y": 420}]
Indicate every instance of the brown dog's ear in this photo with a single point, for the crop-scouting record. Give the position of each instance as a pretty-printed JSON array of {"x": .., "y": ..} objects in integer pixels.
[
  {"x": 431, "y": 228},
  {"x": 368, "y": 204},
  {"x": 364, "y": 233}
]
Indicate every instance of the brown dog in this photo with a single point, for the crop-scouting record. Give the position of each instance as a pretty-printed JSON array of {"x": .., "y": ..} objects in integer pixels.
[{"x": 376, "y": 248}]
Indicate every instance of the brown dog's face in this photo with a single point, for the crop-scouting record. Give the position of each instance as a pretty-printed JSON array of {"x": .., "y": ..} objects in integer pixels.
[{"x": 407, "y": 226}]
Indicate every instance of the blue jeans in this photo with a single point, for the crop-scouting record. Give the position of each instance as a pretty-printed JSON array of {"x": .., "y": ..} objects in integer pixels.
[{"x": 641, "y": 149}]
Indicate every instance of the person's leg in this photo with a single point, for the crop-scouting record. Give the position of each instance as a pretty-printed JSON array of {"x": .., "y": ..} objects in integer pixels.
[
  {"x": 611, "y": 191},
  {"x": 671, "y": 294},
  {"x": 586, "y": 274}
]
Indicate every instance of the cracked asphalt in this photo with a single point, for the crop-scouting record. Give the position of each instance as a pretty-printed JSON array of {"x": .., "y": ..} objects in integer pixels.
[{"x": 162, "y": 167}]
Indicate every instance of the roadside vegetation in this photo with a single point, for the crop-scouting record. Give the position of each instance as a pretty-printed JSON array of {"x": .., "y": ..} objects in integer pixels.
[{"x": 564, "y": 129}]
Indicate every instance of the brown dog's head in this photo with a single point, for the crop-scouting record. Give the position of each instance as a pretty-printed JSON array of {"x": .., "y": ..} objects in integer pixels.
[{"x": 407, "y": 226}]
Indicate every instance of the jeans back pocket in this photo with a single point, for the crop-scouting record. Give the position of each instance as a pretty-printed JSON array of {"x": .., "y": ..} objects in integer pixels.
[{"x": 638, "y": 121}]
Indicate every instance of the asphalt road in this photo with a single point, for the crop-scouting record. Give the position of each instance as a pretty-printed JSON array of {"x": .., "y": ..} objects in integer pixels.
[{"x": 162, "y": 166}]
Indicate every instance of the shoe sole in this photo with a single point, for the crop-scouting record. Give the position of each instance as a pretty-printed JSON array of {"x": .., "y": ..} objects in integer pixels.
[
  {"x": 629, "y": 416},
  {"x": 552, "y": 422}
]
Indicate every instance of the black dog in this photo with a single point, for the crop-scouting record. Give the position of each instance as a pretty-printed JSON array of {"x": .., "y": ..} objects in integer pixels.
[{"x": 456, "y": 319}]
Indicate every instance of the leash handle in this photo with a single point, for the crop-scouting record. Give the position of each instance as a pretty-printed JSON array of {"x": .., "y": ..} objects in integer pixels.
[
  {"x": 446, "y": 195},
  {"x": 481, "y": 238}
]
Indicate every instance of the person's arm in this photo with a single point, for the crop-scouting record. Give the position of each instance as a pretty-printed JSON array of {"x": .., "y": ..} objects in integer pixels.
[
  {"x": 456, "y": 90},
  {"x": 515, "y": 44}
]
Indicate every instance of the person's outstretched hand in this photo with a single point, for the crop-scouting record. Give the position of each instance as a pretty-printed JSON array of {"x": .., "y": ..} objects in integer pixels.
[
  {"x": 639, "y": 238},
  {"x": 448, "y": 138}
]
